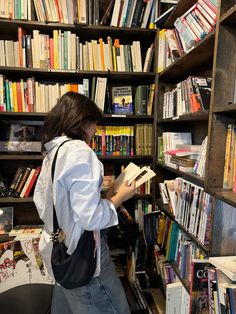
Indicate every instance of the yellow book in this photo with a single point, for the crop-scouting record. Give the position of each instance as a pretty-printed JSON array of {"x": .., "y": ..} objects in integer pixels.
[
  {"x": 114, "y": 58},
  {"x": 15, "y": 107},
  {"x": 101, "y": 44},
  {"x": 55, "y": 46},
  {"x": 161, "y": 229},
  {"x": 227, "y": 157}
]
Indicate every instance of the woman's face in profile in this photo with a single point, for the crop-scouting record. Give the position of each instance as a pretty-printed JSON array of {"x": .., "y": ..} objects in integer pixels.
[{"x": 90, "y": 130}]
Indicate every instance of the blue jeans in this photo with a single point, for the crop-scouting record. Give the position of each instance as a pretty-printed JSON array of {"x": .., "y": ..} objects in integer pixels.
[{"x": 104, "y": 294}]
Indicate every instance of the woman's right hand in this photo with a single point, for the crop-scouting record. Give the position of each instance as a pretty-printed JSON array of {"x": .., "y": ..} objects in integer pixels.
[{"x": 124, "y": 193}]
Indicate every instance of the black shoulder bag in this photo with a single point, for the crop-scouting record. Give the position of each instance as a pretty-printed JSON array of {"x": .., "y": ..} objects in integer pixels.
[{"x": 75, "y": 270}]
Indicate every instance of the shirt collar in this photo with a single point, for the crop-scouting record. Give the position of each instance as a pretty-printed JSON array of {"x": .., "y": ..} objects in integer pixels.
[{"x": 55, "y": 142}]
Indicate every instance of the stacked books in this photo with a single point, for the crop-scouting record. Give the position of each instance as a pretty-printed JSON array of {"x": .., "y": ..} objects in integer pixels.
[
  {"x": 189, "y": 29},
  {"x": 190, "y": 95}
]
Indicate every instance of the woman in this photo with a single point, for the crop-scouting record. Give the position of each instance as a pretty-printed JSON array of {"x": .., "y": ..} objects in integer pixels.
[{"x": 76, "y": 193}]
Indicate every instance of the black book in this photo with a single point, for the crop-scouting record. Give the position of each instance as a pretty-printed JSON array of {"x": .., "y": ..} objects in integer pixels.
[{"x": 203, "y": 89}]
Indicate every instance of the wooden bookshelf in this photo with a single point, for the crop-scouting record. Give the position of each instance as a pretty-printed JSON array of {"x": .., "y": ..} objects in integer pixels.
[
  {"x": 14, "y": 200},
  {"x": 229, "y": 17},
  {"x": 21, "y": 157},
  {"x": 85, "y": 31},
  {"x": 196, "y": 116},
  {"x": 75, "y": 74},
  {"x": 185, "y": 175}
]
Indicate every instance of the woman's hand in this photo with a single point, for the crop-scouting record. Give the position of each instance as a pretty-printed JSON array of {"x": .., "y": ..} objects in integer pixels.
[{"x": 124, "y": 193}]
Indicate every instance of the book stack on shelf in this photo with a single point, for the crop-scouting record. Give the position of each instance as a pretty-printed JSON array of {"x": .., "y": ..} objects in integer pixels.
[{"x": 190, "y": 28}]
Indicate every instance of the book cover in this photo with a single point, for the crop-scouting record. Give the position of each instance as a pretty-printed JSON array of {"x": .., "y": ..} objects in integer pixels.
[
  {"x": 122, "y": 101},
  {"x": 199, "y": 286},
  {"x": 6, "y": 220}
]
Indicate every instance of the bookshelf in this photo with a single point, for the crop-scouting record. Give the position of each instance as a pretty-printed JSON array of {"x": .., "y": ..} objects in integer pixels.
[
  {"x": 24, "y": 209},
  {"x": 212, "y": 56}
]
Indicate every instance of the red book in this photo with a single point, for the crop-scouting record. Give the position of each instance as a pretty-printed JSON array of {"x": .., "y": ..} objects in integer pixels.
[
  {"x": 51, "y": 47},
  {"x": 19, "y": 97},
  {"x": 21, "y": 32},
  {"x": 33, "y": 180}
]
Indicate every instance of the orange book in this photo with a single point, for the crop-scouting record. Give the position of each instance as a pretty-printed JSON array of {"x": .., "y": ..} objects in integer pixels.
[
  {"x": 19, "y": 97},
  {"x": 21, "y": 33},
  {"x": 102, "y": 53},
  {"x": 73, "y": 88}
]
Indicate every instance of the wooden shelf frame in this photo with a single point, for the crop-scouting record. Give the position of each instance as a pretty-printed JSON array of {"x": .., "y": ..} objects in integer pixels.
[
  {"x": 195, "y": 116},
  {"x": 194, "y": 178}
]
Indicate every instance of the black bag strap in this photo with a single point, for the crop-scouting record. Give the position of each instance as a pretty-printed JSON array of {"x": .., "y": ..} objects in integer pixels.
[{"x": 55, "y": 221}]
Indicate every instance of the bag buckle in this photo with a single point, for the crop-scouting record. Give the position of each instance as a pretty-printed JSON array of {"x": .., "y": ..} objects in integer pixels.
[{"x": 58, "y": 236}]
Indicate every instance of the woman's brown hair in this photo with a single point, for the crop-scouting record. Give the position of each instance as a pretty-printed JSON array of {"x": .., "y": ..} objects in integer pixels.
[{"x": 72, "y": 113}]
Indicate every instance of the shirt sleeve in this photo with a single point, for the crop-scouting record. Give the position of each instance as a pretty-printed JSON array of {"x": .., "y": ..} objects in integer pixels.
[{"x": 82, "y": 181}]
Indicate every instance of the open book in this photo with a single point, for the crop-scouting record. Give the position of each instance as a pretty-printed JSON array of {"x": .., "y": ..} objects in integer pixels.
[{"x": 134, "y": 173}]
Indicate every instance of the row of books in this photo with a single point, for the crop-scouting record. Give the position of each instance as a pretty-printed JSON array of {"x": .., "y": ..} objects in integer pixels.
[
  {"x": 190, "y": 95},
  {"x": 128, "y": 13},
  {"x": 229, "y": 180},
  {"x": 211, "y": 290},
  {"x": 141, "y": 207},
  {"x": 132, "y": 13},
  {"x": 33, "y": 96},
  {"x": 189, "y": 29},
  {"x": 65, "y": 51},
  {"x": 119, "y": 140},
  {"x": 191, "y": 206},
  {"x": 164, "y": 269},
  {"x": 23, "y": 182}
]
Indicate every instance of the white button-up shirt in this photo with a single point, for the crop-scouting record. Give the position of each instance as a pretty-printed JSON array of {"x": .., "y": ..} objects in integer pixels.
[{"x": 76, "y": 193}]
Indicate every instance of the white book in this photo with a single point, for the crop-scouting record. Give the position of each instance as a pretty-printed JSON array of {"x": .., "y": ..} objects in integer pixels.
[
  {"x": 115, "y": 14},
  {"x": 134, "y": 173},
  {"x": 173, "y": 298},
  {"x": 138, "y": 56},
  {"x": 82, "y": 12}
]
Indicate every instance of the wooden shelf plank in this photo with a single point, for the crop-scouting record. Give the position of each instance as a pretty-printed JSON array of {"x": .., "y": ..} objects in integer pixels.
[
  {"x": 21, "y": 157},
  {"x": 187, "y": 176},
  {"x": 200, "y": 56},
  {"x": 179, "y": 10},
  {"x": 195, "y": 116},
  {"x": 16, "y": 200},
  {"x": 85, "y": 31},
  {"x": 225, "y": 196},
  {"x": 229, "y": 17},
  {"x": 125, "y": 157},
  {"x": 165, "y": 209},
  {"x": 76, "y": 73},
  {"x": 42, "y": 115},
  {"x": 230, "y": 108}
]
